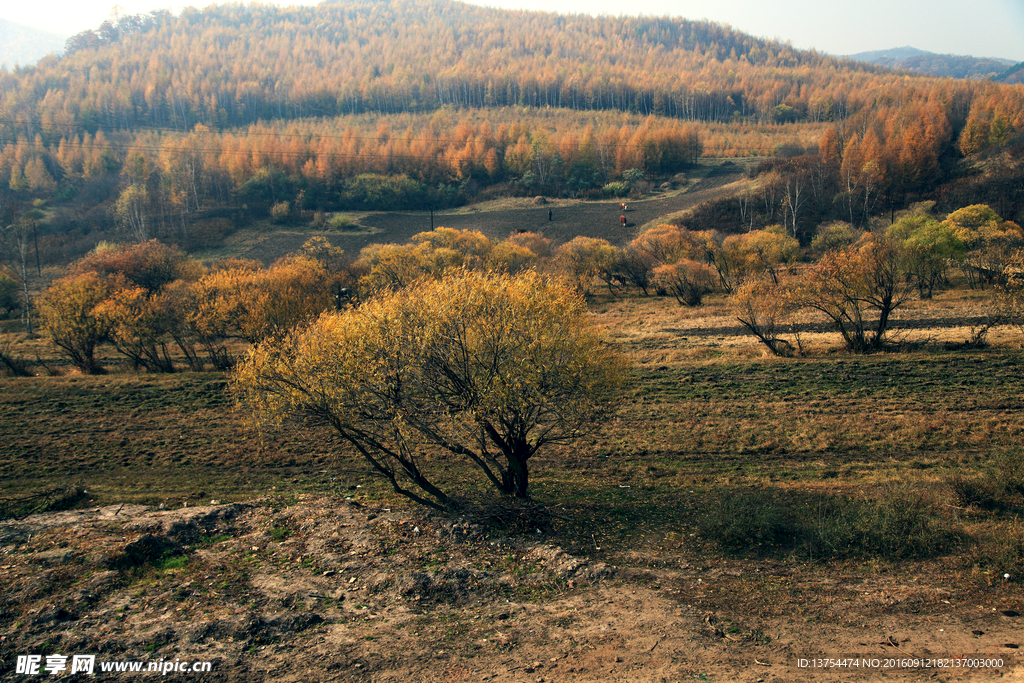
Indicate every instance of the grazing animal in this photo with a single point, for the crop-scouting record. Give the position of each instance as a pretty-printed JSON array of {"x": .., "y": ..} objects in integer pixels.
[{"x": 622, "y": 221}]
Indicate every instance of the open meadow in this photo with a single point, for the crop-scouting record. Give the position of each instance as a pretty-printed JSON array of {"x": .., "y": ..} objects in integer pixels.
[{"x": 738, "y": 513}]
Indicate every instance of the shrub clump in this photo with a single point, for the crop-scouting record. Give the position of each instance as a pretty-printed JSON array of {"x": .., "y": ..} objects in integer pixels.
[{"x": 899, "y": 525}]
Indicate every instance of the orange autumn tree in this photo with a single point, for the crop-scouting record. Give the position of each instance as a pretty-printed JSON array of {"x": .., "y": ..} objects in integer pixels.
[
  {"x": 762, "y": 306},
  {"x": 858, "y": 289}
]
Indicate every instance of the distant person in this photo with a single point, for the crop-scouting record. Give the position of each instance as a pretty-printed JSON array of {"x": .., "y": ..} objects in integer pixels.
[{"x": 550, "y": 215}]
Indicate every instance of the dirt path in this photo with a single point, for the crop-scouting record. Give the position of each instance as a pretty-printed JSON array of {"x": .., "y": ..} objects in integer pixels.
[{"x": 569, "y": 219}]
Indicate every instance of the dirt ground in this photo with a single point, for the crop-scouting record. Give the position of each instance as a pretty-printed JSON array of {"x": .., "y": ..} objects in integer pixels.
[
  {"x": 328, "y": 589},
  {"x": 568, "y": 218}
]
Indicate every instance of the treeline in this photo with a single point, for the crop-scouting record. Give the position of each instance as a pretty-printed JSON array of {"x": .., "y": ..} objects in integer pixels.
[
  {"x": 162, "y": 309},
  {"x": 159, "y": 181},
  {"x": 933, "y": 64},
  {"x": 878, "y": 162},
  {"x": 957, "y": 66},
  {"x": 367, "y": 106},
  {"x": 873, "y": 162}
]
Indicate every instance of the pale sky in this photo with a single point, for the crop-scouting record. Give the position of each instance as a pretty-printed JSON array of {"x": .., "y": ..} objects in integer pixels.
[{"x": 982, "y": 28}]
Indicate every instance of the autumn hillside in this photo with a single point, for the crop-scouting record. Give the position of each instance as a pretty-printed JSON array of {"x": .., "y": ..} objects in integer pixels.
[
  {"x": 234, "y": 65},
  {"x": 190, "y": 127}
]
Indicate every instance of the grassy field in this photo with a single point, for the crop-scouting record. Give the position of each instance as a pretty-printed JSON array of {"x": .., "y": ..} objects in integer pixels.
[
  {"x": 742, "y": 510},
  {"x": 710, "y": 431}
]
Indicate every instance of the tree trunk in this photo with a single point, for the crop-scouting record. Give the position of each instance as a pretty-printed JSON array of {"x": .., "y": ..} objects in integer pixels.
[{"x": 517, "y": 476}]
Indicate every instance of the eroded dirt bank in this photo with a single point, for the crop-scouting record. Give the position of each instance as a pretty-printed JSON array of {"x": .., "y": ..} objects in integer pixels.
[{"x": 327, "y": 589}]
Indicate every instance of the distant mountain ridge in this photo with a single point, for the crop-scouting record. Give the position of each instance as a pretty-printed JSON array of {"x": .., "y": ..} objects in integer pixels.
[
  {"x": 932, "y": 64},
  {"x": 1015, "y": 74},
  {"x": 24, "y": 45}
]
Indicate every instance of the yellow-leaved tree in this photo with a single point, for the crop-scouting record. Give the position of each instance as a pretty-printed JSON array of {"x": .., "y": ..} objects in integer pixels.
[
  {"x": 138, "y": 324},
  {"x": 758, "y": 252},
  {"x": 991, "y": 243},
  {"x": 763, "y": 306},
  {"x": 485, "y": 367},
  {"x": 73, "y": 319}
]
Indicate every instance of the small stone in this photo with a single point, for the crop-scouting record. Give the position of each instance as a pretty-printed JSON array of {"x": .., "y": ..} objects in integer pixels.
[{"x": 54, "y": 557}]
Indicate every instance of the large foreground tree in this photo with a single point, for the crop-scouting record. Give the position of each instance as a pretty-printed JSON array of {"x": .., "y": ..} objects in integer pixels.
[{"x": 485, "y": 367}]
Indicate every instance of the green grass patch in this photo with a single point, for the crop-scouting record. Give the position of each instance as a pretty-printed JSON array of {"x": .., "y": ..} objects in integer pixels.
[{"x": 173, "y": 562}]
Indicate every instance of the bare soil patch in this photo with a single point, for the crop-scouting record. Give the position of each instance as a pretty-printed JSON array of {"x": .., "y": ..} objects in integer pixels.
[{"x": 332, "y": 589}]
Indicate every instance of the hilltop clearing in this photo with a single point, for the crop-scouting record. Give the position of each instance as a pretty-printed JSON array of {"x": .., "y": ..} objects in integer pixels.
[{"x": 499, "y": 219}]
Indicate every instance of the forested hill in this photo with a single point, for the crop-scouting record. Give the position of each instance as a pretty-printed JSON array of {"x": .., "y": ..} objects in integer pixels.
[
  {"x": 232, "y": 65},
  {"x": 1015, "y": 74},
  {"x": 155, "y": 120}
]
